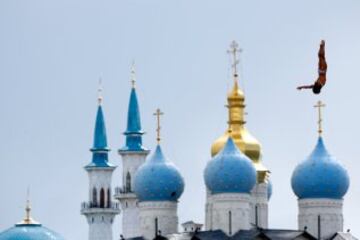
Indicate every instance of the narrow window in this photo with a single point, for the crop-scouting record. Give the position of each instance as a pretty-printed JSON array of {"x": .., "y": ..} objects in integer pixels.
[
  {"x": 230, "y": 223},
  {"x": 128, "y": 182},
  {"x": 156, "y": 227},
  {"x": 102, "y": 198},
  {"x": 94, "y": 198},
  {"x": 108, "y": 198}
]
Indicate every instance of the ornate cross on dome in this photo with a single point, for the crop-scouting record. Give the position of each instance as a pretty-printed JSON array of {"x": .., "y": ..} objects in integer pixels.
[
  {"x": 133, "y": 75},
  {"x": 158, "y": 113},
  {"x": 319, "y": 105},
  {"x": 233, "y": 51},
  {"x": 100, "y": 90}
]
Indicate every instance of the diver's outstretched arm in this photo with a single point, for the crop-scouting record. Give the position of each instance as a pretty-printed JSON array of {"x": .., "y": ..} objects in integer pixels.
[{"x": 305, "y": 87}]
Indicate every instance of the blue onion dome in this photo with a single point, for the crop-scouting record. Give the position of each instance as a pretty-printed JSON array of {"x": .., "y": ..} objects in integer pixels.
[
  {"x": 230, "y": 171},
  {"x": 158, "y": 179},
  {"x": 320, "y": 176},
  {"x": 269, "y": 189}
]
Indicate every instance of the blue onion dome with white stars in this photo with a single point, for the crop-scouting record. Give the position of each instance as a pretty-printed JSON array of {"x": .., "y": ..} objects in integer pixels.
[
  {"x": 320, "y": 176},
  {"x": 28, "y": 229},
  {"x": 230, "y": 171},
  {"x": 158, "y": 179}
]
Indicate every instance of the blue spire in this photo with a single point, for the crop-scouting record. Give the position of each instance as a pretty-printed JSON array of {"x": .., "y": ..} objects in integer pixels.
[
  {"x": 133, "y": 132},
  {"x": 100, "y": 149}
]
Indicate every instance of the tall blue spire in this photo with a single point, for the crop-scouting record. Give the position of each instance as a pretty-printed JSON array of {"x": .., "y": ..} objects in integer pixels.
[
  {"x": 100, "y": 149},
  {"x": 133, "y": 131}
]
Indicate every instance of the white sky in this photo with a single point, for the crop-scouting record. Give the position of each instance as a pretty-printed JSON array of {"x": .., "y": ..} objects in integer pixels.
[{"x": 53, "y": 52}]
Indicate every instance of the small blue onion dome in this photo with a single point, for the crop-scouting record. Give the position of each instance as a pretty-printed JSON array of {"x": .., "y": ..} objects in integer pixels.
[
  {"x": 29, "y": 232},
  {"x": 158, "y": 179},
  {"x": 230, "y": 171},
  {"x": 320, "y": 176},
  {"x": 269, "y": 189}
]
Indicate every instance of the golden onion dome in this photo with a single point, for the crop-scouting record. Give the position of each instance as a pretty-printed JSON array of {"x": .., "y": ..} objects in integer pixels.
[{"x": 241, "y": 136}]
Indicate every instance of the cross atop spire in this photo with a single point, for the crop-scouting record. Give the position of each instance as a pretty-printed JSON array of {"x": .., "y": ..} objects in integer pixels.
[
  {"x": 133, "y": 75},
  {"x": 158, "y": 113},
  {"x": 100, "y": 90},
  {"x": 233, "y": 51},
  {"x": 319, "y": 106}
]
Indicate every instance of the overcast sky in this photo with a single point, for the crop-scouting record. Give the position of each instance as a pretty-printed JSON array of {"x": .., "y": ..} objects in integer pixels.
[{"x": 52, "y": 54}]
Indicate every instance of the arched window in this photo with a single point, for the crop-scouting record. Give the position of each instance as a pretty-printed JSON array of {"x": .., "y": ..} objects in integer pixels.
[
  {"x": 128, "y": 182},
  {"x": 102, "y": 198},
  {"x": 94, "y": 198},
  {"x": 108, "y": 198}
]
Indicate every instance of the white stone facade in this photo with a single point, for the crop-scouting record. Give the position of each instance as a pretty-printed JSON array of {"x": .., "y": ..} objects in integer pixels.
[
  {"x": 208, "y": 210},
  {"x": 259, "y": 205},
  {"x": 326, "y": 213},
  {"x": 131, "y": 161},
  {"x": 100, "y": 178},
  {"x": 100, "y": 210},
  {"x": 158, "y": 214},
  {"x": 100, "y": 226},
  {"x": 230, "y": 212}
]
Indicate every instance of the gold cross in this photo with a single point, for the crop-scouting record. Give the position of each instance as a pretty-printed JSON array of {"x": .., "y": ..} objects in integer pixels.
[
  {"x": 319, "y": 105},
  {"x": 234, "y": 49},
  {"x": 158, "y": 113},
  {"x": 100, "y": 90}
]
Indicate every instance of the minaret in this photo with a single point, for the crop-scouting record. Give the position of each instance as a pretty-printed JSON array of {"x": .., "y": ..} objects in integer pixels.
[
  {"x": 158, "y": 185},
  {"x": 100, "y": 210},
  {"x": 247, "y": 145},
  {"x": 320, "y": 183},
  {"x": 133, "y": 155}
]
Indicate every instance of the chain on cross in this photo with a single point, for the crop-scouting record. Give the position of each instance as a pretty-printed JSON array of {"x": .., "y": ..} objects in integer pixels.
[
  {"x": 319, "y": 106},
  {"x": 158, "y": 114}
]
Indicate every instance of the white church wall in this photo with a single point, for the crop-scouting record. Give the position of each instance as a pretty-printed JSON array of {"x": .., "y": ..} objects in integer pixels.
[{"x": 330, "y": 212}]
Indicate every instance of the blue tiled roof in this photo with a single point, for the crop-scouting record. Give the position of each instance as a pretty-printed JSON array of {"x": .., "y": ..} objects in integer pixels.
[
  {"x": 158, "y": 179},
  {"x": 133, "y": 131},
  {"x": 320, "y": 176},
  {"x": 230, "y": 171},
  {"x": 29, "y": 232}
]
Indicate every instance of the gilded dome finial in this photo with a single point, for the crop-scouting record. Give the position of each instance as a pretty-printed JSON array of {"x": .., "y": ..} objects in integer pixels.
[
  {"x": 319, "y": 106},
  {"x": 133, "y": 75},
  {"x": 28, "y": 219},
  {"x": 158, "y": 113},
  {"x": 100, "y": 90}
]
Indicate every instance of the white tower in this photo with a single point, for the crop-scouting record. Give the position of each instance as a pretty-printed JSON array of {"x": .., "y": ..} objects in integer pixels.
[
  {"x": 248, "y": 145},
  {"x": 260, "y": 196},
  {"x": 133, "y": 155},
  {"x": 99, "y": 209},
  {"x": 159, "y": 185},
  {"x": 229, "y": 177},
  {"x": 320, "y": 182}
]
